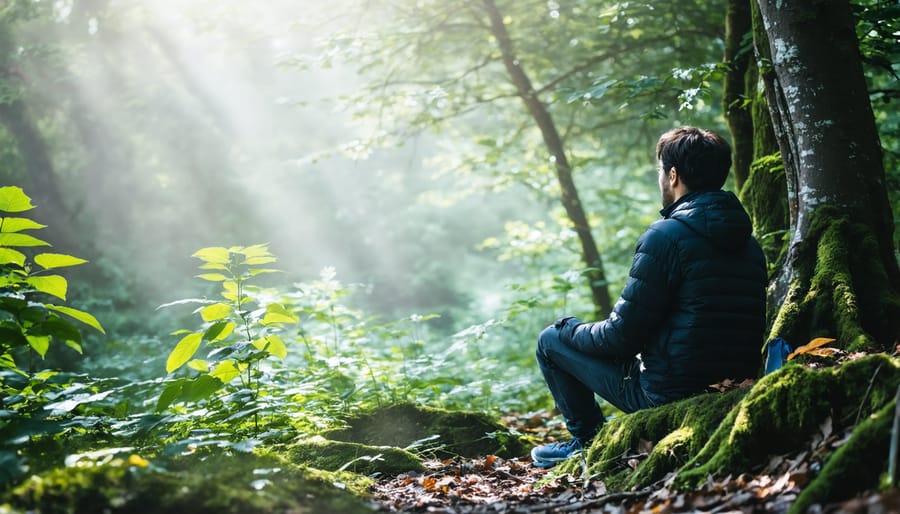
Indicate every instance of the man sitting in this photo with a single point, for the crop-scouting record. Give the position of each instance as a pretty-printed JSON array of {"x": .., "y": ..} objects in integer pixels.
[{"x": 692, "y": 312}]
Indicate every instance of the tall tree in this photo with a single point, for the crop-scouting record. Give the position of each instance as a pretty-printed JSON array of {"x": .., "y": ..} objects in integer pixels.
[
  {"x": 546, "y": 89},
  {"x": 550, "y": 134},
  {"x": 841, "y": 275}
]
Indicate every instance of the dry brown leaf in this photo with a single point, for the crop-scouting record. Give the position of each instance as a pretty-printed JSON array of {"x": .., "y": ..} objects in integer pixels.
[{"x": 815, "y": 343}]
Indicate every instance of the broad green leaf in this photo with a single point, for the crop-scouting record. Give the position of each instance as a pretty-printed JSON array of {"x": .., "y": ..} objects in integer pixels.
[
  {"x": 58, "y": 328},
  {"x": 260, "y": 271},
  {"x": 169, "y": 395},
  {"x": 201, "y": 387},
  {"x": 229, "y": 291},
  {"x": 7, "y": 362},
  {"x": 12, "y": 335},
  {"x": 184, "y": 350},
  {"x": 214, "y": 265},
  {"x": 199, "y": 365},
  {"x": 218, "y": 331},
  {"x": 276, "y": 313},
  {"x": 272, "y": 344},
  {"x": 8, "y": 255},
  {"x": 250, "y": 252},
  {"x": 51, "y": 284},
  {"x": 14, "y": 199},
  {"x": 213, "y": 277},
  {"x": 40, "y": 344},
  {"x": 57, "y": 260},
  {"x": 214, "y": 254},
  {"x": 16, "y": 239},
  {"x": 253, "y": 261},
  {"x": 75, "y": 346},
  {"x": 276, "y": 346},
  {"x": 215, "y": 312},
  {"x": 19, "y": 224},
  {"x": 225, "y": 371},
  {"x": 81, "y": 316}
]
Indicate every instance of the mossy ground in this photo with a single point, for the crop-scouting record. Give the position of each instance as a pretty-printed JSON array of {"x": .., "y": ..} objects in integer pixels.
[
  {"x": 221, "y": 483},
  {"x": 312, "y": 474},
  {"x": 441, "y": 433},
  {"x": 321, "y": 453},
  {"x": 720, "y": 434}
]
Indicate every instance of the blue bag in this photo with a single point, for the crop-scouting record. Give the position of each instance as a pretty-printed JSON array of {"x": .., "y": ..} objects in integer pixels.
[{"x": 777, "y": 351}]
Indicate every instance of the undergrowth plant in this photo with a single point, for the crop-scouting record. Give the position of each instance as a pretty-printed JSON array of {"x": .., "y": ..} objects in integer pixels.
[
  {"x": 34, "y": 402},
  {"x": 240, "y": 329},
  {"x": 267, "y": 363}
]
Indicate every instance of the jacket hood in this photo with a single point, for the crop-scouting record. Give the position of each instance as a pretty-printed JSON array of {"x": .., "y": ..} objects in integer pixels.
[{"x": 716, "y": 215}]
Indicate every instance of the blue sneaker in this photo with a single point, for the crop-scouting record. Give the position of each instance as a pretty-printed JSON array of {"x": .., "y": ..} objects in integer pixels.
[{"x": 548, "y": 455}]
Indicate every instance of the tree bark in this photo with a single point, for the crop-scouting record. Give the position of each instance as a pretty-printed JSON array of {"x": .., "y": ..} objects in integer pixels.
[
  {"x": 829, "y": 144},
  {"x": 735, "y": 94},
  {"x": 550, "y": 134}
]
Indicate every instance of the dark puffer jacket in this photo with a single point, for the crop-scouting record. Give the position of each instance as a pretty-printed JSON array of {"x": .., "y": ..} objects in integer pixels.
[{"x": 694, "y": 303}]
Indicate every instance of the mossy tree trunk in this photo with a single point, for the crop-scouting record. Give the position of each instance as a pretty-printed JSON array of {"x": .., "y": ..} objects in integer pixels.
[
  {"x": 840, "y": 277},
  {"x": 763, "y": 190}
]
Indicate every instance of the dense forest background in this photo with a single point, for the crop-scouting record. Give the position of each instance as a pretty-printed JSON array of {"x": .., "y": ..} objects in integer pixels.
[{"x": 403, "y": 193}]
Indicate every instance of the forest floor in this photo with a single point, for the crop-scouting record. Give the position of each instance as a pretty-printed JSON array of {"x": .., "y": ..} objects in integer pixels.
[{"x": 495, "y": 485}]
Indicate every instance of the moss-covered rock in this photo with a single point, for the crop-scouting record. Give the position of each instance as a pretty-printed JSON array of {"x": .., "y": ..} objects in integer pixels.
[
  {"x": 438, "y": 432},
  {"x": 240, "y": 483},
  {"x": 324, "y": 454}
]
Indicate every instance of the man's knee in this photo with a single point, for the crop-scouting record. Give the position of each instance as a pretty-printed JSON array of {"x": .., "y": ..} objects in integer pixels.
[{"x": 548, "y": 338}]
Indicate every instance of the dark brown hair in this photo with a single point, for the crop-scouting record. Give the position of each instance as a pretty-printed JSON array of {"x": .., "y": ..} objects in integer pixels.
[{"x": 701, "y": 158}]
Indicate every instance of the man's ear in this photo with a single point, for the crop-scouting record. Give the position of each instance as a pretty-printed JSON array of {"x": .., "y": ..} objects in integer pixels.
[{"x": 673, "y": 177}]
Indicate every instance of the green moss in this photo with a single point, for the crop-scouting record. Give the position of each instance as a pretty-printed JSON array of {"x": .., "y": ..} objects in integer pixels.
[
  {"x": 241, "y": 483},
  {"x": 438, "y": 432},
  {"x": 321, "y": 453},
  {"x": 840, "y": 288},
  {"x": 864, "y": 386},
  {"x": 720, "y": 434},
  {"x": 855, "y": 466},
  {"x": 778, "y": 414},
  {"x": 764, "y": 195},
  {"x": 679, "y": 430}
]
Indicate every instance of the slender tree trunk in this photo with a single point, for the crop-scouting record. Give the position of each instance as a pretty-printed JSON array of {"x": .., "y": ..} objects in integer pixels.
[
  {"x": 841, "y": 249},
  {"x": 543, "y": 119},
  {"x": 41, "y": 177},
  {"x": 736, "y": 104}
]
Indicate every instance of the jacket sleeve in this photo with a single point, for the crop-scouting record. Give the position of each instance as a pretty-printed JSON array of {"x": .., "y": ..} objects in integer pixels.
[{"x": 642, "y": 308}]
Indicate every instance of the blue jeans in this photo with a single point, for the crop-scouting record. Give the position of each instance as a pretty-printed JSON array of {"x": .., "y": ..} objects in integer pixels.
[{"x": 574, "y": 377}]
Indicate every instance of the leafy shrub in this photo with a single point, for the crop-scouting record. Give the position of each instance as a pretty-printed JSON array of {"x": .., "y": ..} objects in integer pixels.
[{"x": 31, "y": 319}]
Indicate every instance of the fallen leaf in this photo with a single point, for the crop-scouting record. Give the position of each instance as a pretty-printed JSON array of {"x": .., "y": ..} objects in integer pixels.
[{"x": 807, "y": 348}]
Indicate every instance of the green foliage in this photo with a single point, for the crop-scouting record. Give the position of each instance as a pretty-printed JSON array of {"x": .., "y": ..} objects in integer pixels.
[
  {"x": 29, "y": 320},
  {"x": 329, "y": 360},
  {"x": 35, "y": 404}
]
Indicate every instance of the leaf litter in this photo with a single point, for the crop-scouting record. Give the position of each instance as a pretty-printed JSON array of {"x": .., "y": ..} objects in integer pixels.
[{"x": 492, "y": 484}]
